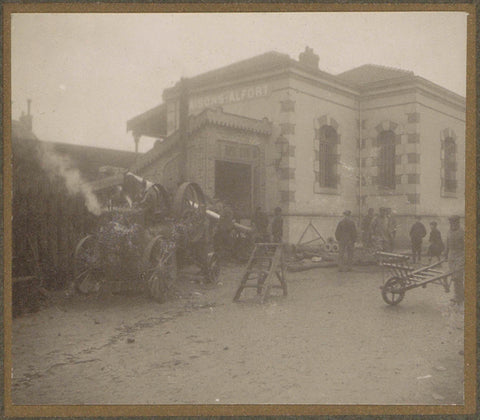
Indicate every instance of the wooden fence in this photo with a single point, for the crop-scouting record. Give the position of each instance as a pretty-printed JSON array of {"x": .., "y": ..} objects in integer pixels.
[{"x": 47, "y": 222}]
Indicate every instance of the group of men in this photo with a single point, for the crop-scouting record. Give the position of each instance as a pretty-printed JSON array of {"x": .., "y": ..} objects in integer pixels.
[
  {"x": 262, "y": 229},
  {"x": 454, "y": 250},
  {"x": 378, "y": 232}
]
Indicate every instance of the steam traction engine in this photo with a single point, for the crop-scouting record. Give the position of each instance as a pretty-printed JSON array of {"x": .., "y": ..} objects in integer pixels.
[{"x": 141, "y": 248}]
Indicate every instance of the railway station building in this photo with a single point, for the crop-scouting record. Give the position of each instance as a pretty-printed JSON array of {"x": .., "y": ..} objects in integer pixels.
[{"x": 275, "y": 131}]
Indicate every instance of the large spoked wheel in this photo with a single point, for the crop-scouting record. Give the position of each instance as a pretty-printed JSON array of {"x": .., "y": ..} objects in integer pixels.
[
  {"x": 160, "y": 268},
  {"x": 213, "y": 268},
  {"x": 393, "y": 291},
  {"x": 189, "y": 208},
  {"x": 164, "y": 203},
  {"x": 87, "y": 273}
]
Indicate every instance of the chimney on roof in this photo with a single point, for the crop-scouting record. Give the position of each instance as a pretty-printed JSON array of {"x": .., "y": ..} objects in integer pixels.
[
  {"x": 309, "y": 59},
  {"x": 27, "y": 120}
]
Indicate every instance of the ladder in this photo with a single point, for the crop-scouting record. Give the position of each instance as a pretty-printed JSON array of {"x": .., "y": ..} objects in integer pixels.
[{"x": 266, "y": 262}]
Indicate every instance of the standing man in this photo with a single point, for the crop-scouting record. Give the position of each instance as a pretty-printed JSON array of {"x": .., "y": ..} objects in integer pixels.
[
  {"x": 455, "y": 253},
  {"x": 346, "y": 235},
  {"x": 260, "y": 221},
  {"x": 277, "y": 225},
  {"x": 380, "y": 231},
  {"x": 367, "y": 228},
  {"x": 392, "y": 228},
  {"x": 417, "y": 233},
  {"x": 223, "y": 235},
  {"x": 436, "y": 244}
]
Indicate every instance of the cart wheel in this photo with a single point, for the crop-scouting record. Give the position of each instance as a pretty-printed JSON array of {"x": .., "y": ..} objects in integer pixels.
[
  {"x": 160, "y": 268},
  {"x": 393, "y": 291},
  {"x": 188, "y": 196},
  {"x": 213, "y": 267},
  {"x": 87, "y": 274},
  {"x": 187, "y": 209}
]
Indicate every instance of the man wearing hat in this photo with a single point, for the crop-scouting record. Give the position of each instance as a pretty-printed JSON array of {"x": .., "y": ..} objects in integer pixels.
[
  {"x": 380, "y": 235},
  {"x": 455, "y": 253},
  {"x": 417, "y": 233},
  {"x": 346, "y": 235}
]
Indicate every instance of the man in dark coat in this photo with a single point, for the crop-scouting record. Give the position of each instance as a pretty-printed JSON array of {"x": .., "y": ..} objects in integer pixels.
[
  {"x": 367, "y": 228},
  {"x": 260, "y": 222},
  {"x": 436, "y": 244},
  {"x": 223, "y": 235},
  {"x": 346, "y": 235},
  {"x": 417, "y": 233}
]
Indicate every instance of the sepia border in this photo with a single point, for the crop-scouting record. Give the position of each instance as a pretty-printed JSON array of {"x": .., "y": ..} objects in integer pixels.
[{"x": 470, "y": 368}]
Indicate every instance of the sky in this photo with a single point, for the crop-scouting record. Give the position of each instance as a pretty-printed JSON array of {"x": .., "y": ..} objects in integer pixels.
[{"x": 87, "y": 74}]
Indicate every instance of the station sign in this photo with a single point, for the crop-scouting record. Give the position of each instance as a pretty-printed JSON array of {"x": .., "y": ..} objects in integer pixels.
[{"x": 228, "y": 97}]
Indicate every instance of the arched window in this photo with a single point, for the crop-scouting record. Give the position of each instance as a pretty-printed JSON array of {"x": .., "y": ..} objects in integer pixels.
[
  {"x": 327, "y": 138},
  {"x": 386, "y": 159},
  {"x": 449, "y": 165}
]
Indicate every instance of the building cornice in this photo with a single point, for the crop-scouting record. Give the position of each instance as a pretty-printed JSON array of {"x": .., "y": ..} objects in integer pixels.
[
  {"x": 413, "y": 85},
  {"x": 440, "y": 90},
  {"x": 293, "y": 67},
  {"x": 223, "y": 119},
  {"x": 342, "y": 90}
]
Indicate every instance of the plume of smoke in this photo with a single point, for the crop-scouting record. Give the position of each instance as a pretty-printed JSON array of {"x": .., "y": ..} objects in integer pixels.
[{"x": 57, "y": 165}]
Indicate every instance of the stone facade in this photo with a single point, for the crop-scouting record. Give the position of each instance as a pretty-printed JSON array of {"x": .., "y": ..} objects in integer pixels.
[{"x": 370, "y": 137}]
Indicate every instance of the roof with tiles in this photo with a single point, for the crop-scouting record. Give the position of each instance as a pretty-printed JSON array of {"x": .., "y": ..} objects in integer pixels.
[
  {"x": 154, "y": 121},
  {"x": 262, "y": 63},
  {"x": 159, "y": 148},
  {"x": 370, "y": 73},
  {"x": 89, "y": 160},
  {"x": 265, "y": 62}
]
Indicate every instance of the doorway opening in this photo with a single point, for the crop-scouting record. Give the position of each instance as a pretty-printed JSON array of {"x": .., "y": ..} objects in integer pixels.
[{"x": 233, "y": 185}]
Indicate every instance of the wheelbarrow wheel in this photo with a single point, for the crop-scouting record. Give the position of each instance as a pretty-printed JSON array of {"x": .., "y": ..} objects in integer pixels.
[{"x": 393, "y": 291}]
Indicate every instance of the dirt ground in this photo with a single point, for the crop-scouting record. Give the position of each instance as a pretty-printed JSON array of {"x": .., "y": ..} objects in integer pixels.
[{"x": 331, "y": 341}]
